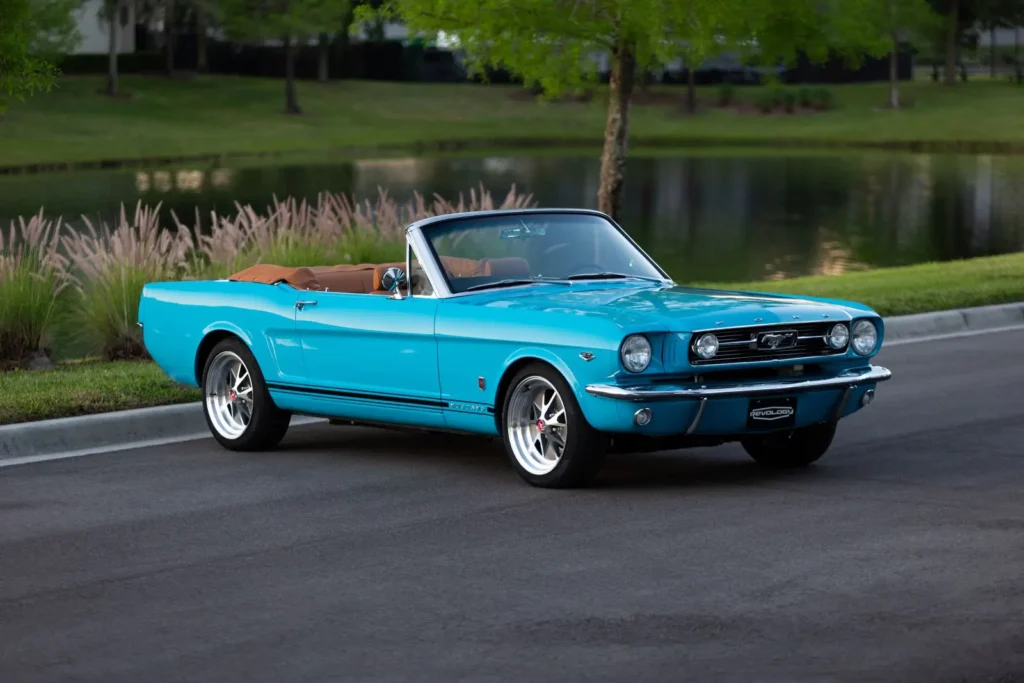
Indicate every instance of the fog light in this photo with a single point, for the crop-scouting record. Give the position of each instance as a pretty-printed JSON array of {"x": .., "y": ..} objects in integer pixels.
[
  {"x": 867, "y": 398},
  {"x": 642, "y": 417}
]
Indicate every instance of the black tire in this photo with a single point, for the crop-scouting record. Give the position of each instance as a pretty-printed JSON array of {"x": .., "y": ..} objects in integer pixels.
[
  {"x": 584, "y": 448},
  {"x": 267, "y": 423},
  {"x": 787, "y": 450}
]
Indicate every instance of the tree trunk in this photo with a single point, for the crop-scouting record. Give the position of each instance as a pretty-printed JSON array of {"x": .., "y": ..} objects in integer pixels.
[
  {"x": 202, "y": 66},
  {"x": 291, "y": 102},
  {"x": 616, "y": 130},
  {"x": 1016, "y": 54},
  {"x": 952, "y": 33},
  {"x": 113, "y": 24},
  {"x": 323, "y": 69},
  {"x": 169, "y": 37},
  {"x": 894, "y": 73},
  {"x": 992, "y": 48},
  {"x": 691, "y": 90}
]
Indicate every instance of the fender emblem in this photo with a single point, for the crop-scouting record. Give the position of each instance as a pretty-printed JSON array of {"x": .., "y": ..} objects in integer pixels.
[{"x": 587, "y": 356}]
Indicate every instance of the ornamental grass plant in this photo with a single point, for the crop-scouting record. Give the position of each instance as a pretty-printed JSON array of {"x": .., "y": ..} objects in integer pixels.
[
  {"x": 33, "y": 275},
  {"x": 82, "y": 287}
]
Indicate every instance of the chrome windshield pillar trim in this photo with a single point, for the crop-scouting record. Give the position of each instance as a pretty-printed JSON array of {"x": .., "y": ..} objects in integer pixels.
[
  {"x": 696, "y": 418},
  {"x": 425, "y": 255},
  {"x": 848, "y": 379}
]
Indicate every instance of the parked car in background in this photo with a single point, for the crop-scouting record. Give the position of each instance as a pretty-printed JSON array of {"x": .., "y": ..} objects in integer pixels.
[{"x": 551, "y": 329}]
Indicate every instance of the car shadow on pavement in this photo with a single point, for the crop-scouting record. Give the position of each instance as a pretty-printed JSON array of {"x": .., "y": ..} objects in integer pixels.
[{"x": 480, "y": 456}]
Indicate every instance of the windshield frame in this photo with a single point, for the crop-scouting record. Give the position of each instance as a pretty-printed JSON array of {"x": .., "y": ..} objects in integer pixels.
[{"x": 417, "y": 236}]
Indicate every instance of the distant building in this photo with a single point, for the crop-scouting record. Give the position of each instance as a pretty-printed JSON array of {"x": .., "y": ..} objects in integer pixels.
[{"x": 94, "y": 30}]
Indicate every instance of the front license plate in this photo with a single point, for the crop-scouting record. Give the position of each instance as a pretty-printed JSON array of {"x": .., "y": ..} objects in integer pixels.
[{"x": 771, "y": 413}]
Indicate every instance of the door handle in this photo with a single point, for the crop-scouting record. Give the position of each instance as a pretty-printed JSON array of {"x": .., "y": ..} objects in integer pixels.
[{"x": 302, "y": 304}]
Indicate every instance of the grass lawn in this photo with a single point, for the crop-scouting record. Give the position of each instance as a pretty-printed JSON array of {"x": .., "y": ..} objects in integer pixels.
[
  {"x": 221, "y": 115},
  {"x": 82, "y": 388},
  {"x": 913, "y": 289},
  {"x": 93, "y": 387}
]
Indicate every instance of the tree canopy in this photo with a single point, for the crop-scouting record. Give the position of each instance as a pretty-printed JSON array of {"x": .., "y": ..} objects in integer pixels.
[{"x": 22, "y": 71}]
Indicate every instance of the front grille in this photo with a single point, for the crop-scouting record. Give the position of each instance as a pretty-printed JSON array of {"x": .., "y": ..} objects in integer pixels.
[{"x": 740, "y": 345}]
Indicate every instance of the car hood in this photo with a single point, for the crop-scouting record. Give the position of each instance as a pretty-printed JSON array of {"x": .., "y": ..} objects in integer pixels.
[{"x": 668, "y": 307}]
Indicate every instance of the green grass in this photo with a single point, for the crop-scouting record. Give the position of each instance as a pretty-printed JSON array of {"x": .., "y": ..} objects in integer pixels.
[
  {"x": 83, "y": 388},
  {"x": 94, "y": 387},
  {"x": 225, "y": 115},
  {"x": 913, "y": 289}
]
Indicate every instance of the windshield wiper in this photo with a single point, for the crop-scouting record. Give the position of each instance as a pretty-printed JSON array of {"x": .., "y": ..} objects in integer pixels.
[
  {"x": 511, "y": 282},
  {"x": 612, "y": 276}
]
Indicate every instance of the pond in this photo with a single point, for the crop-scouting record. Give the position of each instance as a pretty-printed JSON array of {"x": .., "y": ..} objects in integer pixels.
[{"x": 705, "y": 215}]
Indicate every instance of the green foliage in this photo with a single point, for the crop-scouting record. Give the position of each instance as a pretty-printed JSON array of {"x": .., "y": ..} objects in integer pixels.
[
  {"x": 726, "y": 94},
  {"x": 788, "y": 101},
  {"x": 22, "y": 73},
  {"x": 549, "y": 43},
  {"x": 765, "y": 101},
  {"x": 54, "y": 27},
  {"x": 258, "y": 20},
  {"x": 806, "y": 97},
  {"x": 824, "y": 99}
]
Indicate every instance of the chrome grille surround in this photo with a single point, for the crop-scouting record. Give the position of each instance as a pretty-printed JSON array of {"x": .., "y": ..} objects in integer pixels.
[{"x": 740, "y": 344}]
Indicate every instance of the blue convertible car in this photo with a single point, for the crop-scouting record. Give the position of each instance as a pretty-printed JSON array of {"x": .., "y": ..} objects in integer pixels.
[{"x": 549, "y": 328}]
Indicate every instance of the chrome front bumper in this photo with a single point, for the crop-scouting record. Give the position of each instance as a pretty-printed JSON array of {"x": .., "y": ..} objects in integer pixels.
[{"x": 655, "y": 392}]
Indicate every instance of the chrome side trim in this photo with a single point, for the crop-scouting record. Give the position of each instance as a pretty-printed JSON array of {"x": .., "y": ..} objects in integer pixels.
[
  {"x": 414, "y": 238},
  {"x": 655, "y": 392},
  {"x": 696, "y": 418}
]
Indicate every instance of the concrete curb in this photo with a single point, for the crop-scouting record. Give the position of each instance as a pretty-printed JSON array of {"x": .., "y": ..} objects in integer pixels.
[
  {"x": 170, "y": 424},
  {"x": 904, "y": 327}
]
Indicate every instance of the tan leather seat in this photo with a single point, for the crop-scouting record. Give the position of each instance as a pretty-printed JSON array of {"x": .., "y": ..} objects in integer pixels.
[
  {"x": 350, "y": 279},
  {"x": 511, "y": 266}
]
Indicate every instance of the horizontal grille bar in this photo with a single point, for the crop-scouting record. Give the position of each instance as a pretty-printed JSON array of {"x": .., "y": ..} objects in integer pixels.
[{"x": 740, "y": 345}]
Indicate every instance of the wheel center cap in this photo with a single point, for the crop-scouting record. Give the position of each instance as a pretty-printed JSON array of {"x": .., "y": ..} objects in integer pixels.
[
  {"x": 540, "y": 425},
  {"x": 232, "y": 395}
]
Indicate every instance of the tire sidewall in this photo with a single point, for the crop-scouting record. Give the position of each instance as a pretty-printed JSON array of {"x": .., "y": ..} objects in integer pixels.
[{"x": 263, "y": 405}]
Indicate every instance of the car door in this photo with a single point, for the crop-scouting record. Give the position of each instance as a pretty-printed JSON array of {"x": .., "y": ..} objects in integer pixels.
[{"x": 370, "y": 347}]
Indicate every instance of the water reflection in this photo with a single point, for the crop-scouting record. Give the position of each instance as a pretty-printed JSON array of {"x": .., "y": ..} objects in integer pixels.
[{"x": 702, "y": 215}]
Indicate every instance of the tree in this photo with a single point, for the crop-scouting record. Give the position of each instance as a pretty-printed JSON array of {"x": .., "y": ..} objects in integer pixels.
[
  {"x": 899, "y": 20},
  {"x": 960, "y": 15},
  {"x": 54, "y": 30},
  {"x": 115, "y": 13},
  {"x": 22, "y": 72},
  {"x": 550, "y": 43},
  {"x": 291, "y": 21}
]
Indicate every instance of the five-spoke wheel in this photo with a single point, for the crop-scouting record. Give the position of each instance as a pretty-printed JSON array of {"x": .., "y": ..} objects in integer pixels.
[
  {"x": 548, "y": 440},
  {"x": 239, "y": 411}
]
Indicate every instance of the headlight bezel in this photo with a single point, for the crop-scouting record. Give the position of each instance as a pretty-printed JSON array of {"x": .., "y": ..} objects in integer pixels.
[
  {"x": 697, "y": 345},
  {"x": 636, "y": 339},
  {"x": 831, "y": 334},
  {"x": 856, "y": 333}
]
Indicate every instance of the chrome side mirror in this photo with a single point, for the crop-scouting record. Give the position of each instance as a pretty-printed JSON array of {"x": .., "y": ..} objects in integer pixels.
[{"x": 392, "y": 281}]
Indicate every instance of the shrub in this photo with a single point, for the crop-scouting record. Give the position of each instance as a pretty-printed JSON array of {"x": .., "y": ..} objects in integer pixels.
[
  {"x": 806, "y": 97},
  {"x": 765, "y": 101},
  {"x": 726, "y": 94},
  {"x": 111, "y": 267},
  {"x": 789, "y": 101},
  {"x": 32, "y": 276},
  {"x": 824, "y": 100}
]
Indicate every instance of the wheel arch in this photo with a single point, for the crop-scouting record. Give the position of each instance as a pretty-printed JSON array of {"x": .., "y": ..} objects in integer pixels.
[
  {"x": 517, "y": 362},
  {"x": 212, "y": 337}
]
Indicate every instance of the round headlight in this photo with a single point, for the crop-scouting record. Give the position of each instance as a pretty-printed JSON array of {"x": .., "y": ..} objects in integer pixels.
[
  {"x": 865, "y": 337},
  {"x": 839, "y": 337},
  {"x": 707, "y": 346},
  {"x": 635, "y": 353}
]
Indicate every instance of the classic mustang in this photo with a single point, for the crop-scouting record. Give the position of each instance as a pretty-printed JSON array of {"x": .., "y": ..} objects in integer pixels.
[{"x": 550, "y": 328}]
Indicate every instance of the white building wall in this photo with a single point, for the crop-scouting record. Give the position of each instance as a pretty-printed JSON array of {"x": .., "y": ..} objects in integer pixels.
[{"x": 95, "y": 39}]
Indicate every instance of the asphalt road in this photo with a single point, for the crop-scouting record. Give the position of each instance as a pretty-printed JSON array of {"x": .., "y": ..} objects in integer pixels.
[{"x": 357, "y": 554}]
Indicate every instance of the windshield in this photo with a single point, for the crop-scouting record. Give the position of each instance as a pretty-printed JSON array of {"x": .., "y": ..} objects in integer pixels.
[{"x": 516, "y": 249}]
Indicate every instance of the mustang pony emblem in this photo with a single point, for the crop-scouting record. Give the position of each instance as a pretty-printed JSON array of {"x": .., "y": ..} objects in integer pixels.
[{"x": 777, "y": 340}]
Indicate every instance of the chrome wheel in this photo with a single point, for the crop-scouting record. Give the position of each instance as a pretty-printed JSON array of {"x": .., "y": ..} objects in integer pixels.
[
  {"x": 537, "y": 425},
  {"x": 229, "y": 395}
]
